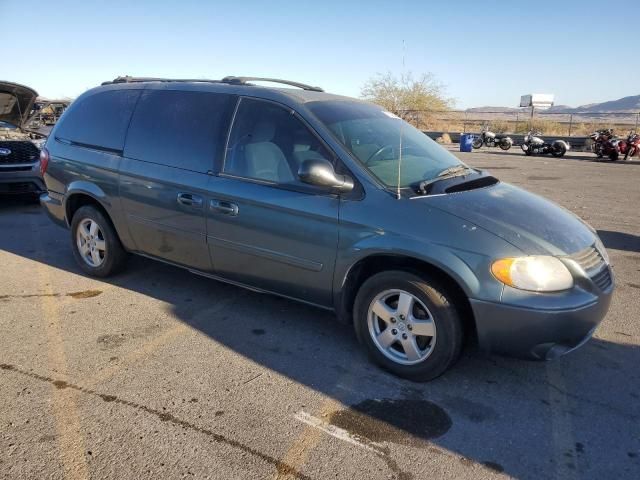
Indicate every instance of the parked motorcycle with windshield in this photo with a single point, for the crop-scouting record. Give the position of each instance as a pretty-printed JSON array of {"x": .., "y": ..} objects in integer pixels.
[
  {"x": 534, "y": 145},
  {"x": 630, "y": 146},
  {"x": 604, "y": 144},
  {"x": 491, "y": 139}
]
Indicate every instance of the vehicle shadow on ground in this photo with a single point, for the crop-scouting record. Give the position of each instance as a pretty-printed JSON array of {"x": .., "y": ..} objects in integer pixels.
[
  {"x": 620, "y": 240},
  {"x": 577, "y": 416}
]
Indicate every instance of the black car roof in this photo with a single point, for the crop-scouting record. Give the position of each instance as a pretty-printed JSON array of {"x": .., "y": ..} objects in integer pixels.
[{"x": 303, "y": 94}]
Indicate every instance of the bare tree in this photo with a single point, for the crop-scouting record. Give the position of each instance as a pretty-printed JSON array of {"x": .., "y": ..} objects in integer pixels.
[{"x": 407, "y": 97}]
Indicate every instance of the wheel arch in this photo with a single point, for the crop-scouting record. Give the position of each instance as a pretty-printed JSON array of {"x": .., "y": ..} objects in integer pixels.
[
  {"x": 379, "y": 262},
  {"x": 80, "y": 198}
]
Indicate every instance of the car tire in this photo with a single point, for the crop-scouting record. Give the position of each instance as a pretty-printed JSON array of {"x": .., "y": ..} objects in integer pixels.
[
  {"x": 95, "y": 243},
  {"x": 429, "y": 355}
]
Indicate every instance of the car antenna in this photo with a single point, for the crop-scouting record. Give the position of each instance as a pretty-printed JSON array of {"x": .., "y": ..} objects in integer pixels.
[{"x": 398, "y": 196}]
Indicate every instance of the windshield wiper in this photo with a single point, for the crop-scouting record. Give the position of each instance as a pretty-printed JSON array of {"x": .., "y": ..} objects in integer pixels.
[{"x": 452, "y": 170}]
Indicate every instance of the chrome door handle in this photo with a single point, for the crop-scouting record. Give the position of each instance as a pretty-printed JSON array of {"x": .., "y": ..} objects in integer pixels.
[
  {"x": 190, "y": 200},
  {"x": 224, "y": 207}
]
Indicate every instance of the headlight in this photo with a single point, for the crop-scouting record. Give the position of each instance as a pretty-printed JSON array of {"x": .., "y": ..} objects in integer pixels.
[
  {"x": 535, "y": 273},
  {"x": 39, "y": 142}
]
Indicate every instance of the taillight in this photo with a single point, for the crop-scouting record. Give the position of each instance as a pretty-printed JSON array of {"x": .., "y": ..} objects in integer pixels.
[{"x": 44, "y": 161}]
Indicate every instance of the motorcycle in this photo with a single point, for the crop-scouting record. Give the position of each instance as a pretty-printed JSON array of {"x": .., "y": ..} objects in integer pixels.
[
  {"x": 630, "y": 146},
  {"x": 490, "y": 139},
  {"x": 534, "y": 145},
  {"x": 605, "y": 143}
]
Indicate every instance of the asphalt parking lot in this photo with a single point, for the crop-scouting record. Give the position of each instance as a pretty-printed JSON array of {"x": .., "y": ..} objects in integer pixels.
[{"x": 158, "y": 373}]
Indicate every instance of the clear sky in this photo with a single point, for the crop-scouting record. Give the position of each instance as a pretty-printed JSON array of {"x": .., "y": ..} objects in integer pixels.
[{"x": 486, "y": 53}]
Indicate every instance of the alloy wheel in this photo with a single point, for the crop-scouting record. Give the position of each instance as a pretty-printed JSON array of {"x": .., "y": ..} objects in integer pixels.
[
  {"x": 91, "y": 242},
  {"x": 401, "y": 327}
]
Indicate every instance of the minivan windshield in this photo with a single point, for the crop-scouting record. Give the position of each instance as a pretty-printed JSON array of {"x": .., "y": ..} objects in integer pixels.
[{"x": 373, "y": 136}]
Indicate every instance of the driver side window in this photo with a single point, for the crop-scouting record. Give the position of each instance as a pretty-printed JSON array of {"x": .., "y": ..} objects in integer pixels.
[{"x": 269, "y": 143}]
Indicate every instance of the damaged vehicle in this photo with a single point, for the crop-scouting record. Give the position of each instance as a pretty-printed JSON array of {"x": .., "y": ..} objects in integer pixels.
[
  {"x": 47, "y": 112},
  {"x": 19, "y": 146}
]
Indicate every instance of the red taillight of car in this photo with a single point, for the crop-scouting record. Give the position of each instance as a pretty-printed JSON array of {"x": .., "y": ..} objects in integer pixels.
[{"x": 44, "y": 161}]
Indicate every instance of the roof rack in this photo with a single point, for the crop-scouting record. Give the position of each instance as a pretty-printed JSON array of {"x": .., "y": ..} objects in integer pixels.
[
  {"x": 231, "y": 80},
  {"x": 246, "y": 80},
  {"x": 129, "y": 79}
]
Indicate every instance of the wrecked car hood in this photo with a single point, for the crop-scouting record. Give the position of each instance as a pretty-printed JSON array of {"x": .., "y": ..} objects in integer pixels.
[
  {"x": 16, "y": 102},
  {"x": 529, "y": 222}
]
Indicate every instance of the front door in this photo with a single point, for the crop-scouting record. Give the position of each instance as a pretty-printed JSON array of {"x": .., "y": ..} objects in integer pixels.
[{"x": 265, "y": 228}]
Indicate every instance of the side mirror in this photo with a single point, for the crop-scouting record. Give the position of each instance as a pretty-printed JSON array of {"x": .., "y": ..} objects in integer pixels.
[{"x": 320, "y": 172}]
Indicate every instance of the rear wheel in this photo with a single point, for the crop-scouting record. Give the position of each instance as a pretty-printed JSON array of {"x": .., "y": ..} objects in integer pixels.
[
  {"x": 613, "y": 156},
  {"x": 505, "y": 144},
  {"x": 558, "y": 150},
  {"x": 631, "y": 151},
  {"x": 408, "y": 324},
  {"x": 95, "y": 243}
]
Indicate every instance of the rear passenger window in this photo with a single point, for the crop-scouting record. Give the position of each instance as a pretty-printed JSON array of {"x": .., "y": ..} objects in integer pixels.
[
  {"x": 100, "y": 120},
  {"x": 181, "y": 129}
]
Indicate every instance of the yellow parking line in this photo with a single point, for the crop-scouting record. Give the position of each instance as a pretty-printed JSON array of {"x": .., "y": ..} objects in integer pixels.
[{"x": 67, "y": 419}]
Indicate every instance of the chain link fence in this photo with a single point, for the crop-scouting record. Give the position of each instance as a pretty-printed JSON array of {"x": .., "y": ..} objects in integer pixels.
[{"x": 520, "y": 122}]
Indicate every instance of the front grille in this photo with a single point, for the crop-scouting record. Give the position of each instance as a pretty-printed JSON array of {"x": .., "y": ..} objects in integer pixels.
[
  {"x": 602, "y": 278},
  {"x": 21, "y": 152},
  {"x": 589, "y": 259},
  {"x": 594, "y": 266},
  {"x": 22, "y": 187}
]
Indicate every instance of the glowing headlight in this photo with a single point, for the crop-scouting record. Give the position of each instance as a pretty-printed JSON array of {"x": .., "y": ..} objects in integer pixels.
[{"x": 535, "y": 273}]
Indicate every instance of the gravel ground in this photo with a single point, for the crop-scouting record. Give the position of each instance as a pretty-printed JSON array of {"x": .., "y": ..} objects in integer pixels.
[{"x": 158, "y": 373}]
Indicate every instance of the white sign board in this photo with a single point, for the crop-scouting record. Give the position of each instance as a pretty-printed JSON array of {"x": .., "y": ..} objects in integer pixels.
[{"x": 537, "y": 100}]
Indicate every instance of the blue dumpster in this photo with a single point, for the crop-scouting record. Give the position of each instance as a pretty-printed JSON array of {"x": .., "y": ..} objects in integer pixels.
[{"x": 466, "y": 142}]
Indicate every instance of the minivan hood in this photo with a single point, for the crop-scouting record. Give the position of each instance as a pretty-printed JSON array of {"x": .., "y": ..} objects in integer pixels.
[
  {"x": 15, "y": 103},
  {"x": 531, "y": 223}
]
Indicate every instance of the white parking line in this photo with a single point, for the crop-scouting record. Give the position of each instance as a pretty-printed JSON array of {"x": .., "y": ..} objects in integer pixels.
[{"x": 332, "y": 430}]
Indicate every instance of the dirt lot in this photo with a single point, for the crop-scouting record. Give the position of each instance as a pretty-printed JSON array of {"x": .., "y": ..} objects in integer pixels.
[{"x": 158, "y": 373}]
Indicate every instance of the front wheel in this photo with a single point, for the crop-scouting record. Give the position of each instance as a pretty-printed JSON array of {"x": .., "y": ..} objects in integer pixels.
[
  {"x": 477, "y": 143},
  {"x": 599, "y": 151},
  {"x": 95, "y": 243},
  {"x": 408, "y": 324}
]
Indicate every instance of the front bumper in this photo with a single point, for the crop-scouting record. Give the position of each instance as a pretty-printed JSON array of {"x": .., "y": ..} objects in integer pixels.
[
  {"x": 25, "y": 180},
  {"x": 536, "y": 332}
]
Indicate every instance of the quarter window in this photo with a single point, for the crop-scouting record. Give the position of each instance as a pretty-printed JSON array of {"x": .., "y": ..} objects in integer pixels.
[
  {"x": 269, "y": 143},
  {"x": 99, "y": 120},
  {"x": 182, "y": 129}
]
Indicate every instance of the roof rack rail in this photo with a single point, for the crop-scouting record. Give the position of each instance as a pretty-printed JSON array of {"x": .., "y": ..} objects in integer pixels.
[
  {"x": 246, "y": 80},
  {"x": 228, "y": 80},
  {"x": 129, "y": 79}
]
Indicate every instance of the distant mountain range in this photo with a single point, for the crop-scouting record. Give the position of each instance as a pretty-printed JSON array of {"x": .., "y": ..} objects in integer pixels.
[{"x": 622, "y": 105}]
